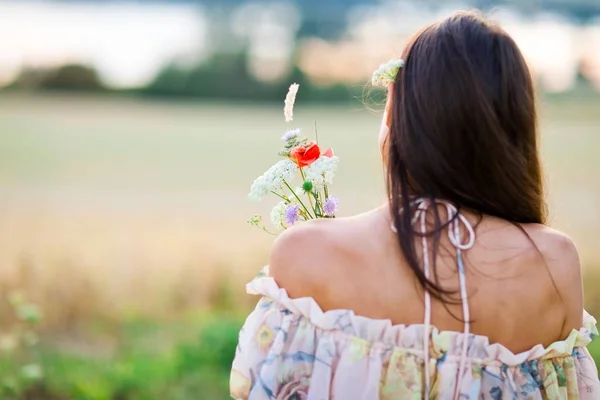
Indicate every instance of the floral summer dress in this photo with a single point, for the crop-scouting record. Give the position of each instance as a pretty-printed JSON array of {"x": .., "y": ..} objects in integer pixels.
[{"x": 291, "y": 349}]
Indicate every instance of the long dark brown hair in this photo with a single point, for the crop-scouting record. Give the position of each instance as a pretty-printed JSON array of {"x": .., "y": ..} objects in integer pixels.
[{"x": 463, "y": 130}]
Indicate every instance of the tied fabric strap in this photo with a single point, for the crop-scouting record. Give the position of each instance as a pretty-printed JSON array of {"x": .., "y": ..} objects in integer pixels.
[{"x": 455, "y": 219}]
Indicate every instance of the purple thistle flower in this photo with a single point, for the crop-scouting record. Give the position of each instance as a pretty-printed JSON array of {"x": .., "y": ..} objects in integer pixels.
[
  {"x": 291, "y": 214},
  {"x": 331, "y": 206},
  {"x": 290, "y": 134}
]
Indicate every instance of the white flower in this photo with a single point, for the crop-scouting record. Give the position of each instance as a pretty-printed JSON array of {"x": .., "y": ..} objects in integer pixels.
[
  {"x": 278, "y": 214},
  {"x": 387, "y": 73},
  {"x": 32, "y": 371},
  {"x": 259, "y": 189},
  {"x": 290, "y": 99},
  {"x": 273, "y": 179},
  {"x": 322, "y": 171}
]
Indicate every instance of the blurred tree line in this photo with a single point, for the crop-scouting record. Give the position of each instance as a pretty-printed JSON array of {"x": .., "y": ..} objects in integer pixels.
[
  {"x": 72, "y": 77},
  {"x": 225, "y": 77}
]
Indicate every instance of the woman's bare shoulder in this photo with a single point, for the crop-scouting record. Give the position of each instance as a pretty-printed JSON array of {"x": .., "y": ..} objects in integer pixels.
[
  {"x": 562, "y": 259},
  {"x": 306, "y": 257},
  {"x": 559, "y": 250}
]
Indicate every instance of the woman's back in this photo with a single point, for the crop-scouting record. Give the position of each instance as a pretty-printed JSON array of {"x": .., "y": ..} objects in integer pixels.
[
  {"x": 342, "y": 317},
  {"x": 523, "y": 290}
]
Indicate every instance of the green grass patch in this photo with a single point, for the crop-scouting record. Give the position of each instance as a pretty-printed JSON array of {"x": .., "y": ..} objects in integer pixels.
[{"x": 196, "y": 363}]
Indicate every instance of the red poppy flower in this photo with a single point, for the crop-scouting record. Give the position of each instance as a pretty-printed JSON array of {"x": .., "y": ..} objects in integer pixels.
[{"x": 304, "y": 156}]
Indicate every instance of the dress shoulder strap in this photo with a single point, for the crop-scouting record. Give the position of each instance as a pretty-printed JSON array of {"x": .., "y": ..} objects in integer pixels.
[{"x": 455, "y": 220}]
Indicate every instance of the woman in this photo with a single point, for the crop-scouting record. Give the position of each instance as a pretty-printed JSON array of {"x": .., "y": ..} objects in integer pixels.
[{"x": 455, "y": 288}]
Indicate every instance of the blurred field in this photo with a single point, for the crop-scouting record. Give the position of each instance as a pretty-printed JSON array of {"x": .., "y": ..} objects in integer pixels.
[
  {"x": 124, "y": 207},
  {"x": 115, "y": 210}
]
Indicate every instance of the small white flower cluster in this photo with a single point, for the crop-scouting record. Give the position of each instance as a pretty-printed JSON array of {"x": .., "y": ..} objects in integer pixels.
[
  {"x": 387, "y": 73},
  {"x": 322, "y": 171},
  {"x": 291, "y": 135},
  {"x": 277, "y": 214},
  {"x": 273, "y": 179},
  {"x": 290, "y": 99}
]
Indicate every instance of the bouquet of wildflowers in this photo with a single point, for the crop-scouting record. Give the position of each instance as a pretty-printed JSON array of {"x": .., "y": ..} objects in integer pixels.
[{"x": 300, "y": 180}]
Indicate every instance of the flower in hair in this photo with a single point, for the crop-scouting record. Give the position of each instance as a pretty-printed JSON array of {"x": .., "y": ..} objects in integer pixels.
[{"x": 387, "y": 73}]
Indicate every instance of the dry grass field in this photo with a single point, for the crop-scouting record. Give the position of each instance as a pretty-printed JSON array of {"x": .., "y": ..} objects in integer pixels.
[
  {"x": 125, "y": 221},
  {"x": 115, "y": 208}
]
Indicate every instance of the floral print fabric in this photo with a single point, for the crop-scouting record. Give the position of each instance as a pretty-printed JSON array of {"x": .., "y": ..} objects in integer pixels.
[{"x": 291, "y": 349}]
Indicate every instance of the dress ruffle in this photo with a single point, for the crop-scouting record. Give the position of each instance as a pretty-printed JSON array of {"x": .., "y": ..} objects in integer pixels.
[
  {"x": 291, "y": 348},
  {"x": 410, "y": 336}
]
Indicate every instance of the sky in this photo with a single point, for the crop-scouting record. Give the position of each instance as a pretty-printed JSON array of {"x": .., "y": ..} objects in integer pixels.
[{"x": 129, "y": 43}]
